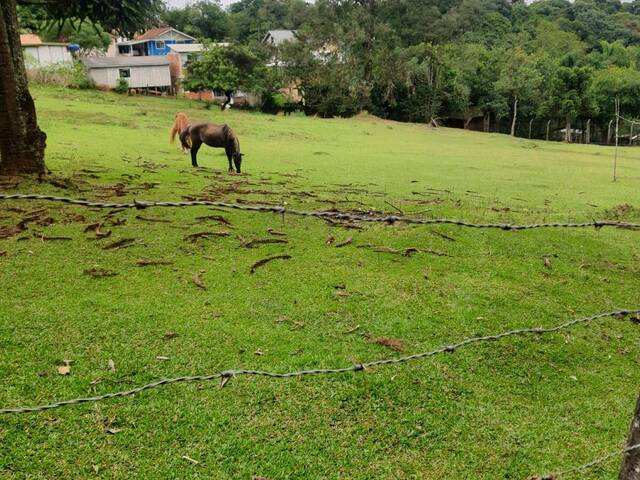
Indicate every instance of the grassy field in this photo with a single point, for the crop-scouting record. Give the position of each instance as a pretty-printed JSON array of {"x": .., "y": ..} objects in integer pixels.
[{"x": 504, "y": 410}]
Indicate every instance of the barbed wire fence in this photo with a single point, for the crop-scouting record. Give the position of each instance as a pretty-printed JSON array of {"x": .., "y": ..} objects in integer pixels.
[
  {"x": 226, "y": 375},
  {"x": 343, "y": 216}
]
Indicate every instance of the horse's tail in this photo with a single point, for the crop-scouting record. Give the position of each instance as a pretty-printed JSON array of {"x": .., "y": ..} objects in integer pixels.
[
  {"x": 185, "y": 138},
  {"x": 179, "y": 124}
]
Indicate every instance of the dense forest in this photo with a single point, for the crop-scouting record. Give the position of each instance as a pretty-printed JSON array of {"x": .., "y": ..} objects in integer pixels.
[{"x": 530, "y": 70}]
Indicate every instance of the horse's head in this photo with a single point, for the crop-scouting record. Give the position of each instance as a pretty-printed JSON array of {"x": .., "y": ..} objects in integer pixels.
[{"x": 237, "y": 160}]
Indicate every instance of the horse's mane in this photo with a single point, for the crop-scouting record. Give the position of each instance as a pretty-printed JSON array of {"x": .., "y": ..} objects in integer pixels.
[{"x": 179, "y": 124}]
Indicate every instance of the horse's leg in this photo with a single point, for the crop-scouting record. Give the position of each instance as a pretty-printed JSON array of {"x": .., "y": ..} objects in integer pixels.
[
  {"x": 195, "y": 146},
  {"x": 229, "y": 155}
]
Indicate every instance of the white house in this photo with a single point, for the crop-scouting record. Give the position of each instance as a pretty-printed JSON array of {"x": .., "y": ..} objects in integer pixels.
[
  {"x": 40, "y": 54},
  {"x": 278, "y": 37},
  {"x": 139, "y": 72}
]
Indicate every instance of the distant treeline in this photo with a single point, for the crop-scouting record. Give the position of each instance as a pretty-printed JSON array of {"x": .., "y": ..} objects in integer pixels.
[{"x": 493, "y": 64}]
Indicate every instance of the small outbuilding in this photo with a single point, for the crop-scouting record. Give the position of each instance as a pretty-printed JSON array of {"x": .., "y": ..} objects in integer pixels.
[
  {"x": 41, "y": 54},
  {"x": 139, "y": 72}
]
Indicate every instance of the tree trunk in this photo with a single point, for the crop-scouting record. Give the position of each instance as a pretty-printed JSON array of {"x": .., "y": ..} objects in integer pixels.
[
  {"x": 548, "y": 124},
  {"x": 630, "y": 469},
  {"x": 22, "y": 143},
  {"x": 486, "y": 122},
  {"x": 567, "y": 130},
  {"x": 515, "y": 116},
  {"x": 588, "y": 135}
]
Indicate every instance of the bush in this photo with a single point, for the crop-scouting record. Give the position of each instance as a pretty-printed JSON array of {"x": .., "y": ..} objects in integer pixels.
[
  {"x": 274, "y": 103},
  {"x": 71, "y": 75},
  {"x": 122, "y": 86}
]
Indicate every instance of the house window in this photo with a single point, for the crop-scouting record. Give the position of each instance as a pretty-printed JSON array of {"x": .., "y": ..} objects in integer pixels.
[
  {"x": 125, "y": 72},
  {"x": 160, "y": 44}
]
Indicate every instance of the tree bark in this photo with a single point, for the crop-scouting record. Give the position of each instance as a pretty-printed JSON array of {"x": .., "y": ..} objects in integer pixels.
[
  {"x": 22, "y": 143},
  {"x": 630, "y": 469},
  {"x": 486, "y": 122},
  {"x": 588, "y": 136},
  {"x": 515, "y": 116},
  {"x": 567, "y": 130}
]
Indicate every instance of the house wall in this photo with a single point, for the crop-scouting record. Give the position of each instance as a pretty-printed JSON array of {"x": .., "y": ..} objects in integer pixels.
[
  {"x": 141, "y": 77},
  {"x": 169, "y": 38},
  {"x": 44, "y": 55}
]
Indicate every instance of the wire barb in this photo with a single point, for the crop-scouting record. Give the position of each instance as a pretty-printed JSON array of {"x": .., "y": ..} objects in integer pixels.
[
  {"x": 586, "y": 466},
  {"x": 390, "y": 219},
  {"x": 227, "y": 374}
]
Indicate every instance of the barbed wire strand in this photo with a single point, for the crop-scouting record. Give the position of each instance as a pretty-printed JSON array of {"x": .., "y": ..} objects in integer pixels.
[
  {"x": 227, "y": 374},
  {"x": 391, "y": 219},
  {"x": 586, "y": 466}
]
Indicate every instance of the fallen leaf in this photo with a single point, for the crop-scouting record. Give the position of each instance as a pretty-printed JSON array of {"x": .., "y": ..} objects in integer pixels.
[
  {"x": 264, "y": 261},
  {"x": 392, "y": 343},
  {"x": 2, "y": 253},
  {"x": 124, "y": 243},
  {"x": 170, "y": 335},
  {"x": 147, "y": 262},
  {"x": 330, "y": 239},
  {"x": 344, "y": 243},
  {"x": 547, "y": 262},
  {"x": 99, "y": 272},
  {"x": 45, "y": 238},
  {"x": 352, "y": 330},
  {"x": 197, "y": 279},
  {"x": 162, "y": 358},
  {"x": 113, "y": 431},
  {"x": 215, "y": 218},
  {"x": 194, "y": 237},
  {"x": 111, "y": 365},
  {"x": 260, "y": 241},
  {"x": 191, "y": 460},
  {"x": 258, "y": 352},
  {"x": 64, "y": 369}
]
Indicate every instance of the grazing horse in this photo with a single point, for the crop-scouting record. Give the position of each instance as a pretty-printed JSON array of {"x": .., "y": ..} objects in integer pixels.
[
  {"x": 218, "y": 136},
  {"x": 179, "y": 124}
]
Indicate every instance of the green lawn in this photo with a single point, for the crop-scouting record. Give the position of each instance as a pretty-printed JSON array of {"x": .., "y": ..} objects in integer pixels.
[{"x": 504, "y": 410}]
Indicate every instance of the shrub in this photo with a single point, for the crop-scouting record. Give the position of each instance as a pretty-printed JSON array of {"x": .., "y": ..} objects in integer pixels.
[
  {"x": 274, "y": 103},
  {"x": 122, "y": 86},
  {"x": 71, "y": 75}
]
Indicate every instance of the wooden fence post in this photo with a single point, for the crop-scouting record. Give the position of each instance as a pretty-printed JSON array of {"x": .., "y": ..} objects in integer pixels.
[{"x": 630, "y": 469}]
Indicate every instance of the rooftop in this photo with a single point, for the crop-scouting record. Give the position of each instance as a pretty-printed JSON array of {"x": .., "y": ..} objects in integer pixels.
[
  {"x": 280, "y": 36},
  {"x": 157, "y": 32},
  {"x": 125, "y": 61},
  {"x": 186, "y": 47}
]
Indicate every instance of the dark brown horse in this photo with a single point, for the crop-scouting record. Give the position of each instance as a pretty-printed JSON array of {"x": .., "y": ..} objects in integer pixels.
[{"x": 217, "y": 136}]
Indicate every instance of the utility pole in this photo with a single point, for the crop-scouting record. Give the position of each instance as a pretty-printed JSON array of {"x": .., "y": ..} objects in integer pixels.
[{"x": 615, "y": 155}]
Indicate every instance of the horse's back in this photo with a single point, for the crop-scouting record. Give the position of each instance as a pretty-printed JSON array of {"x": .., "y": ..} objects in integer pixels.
[{"x": 211, "y": 134}]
